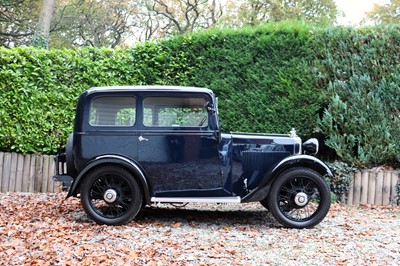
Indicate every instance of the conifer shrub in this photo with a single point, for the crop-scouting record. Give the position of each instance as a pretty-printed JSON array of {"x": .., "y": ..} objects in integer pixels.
[{"x": 361, "y": 70}]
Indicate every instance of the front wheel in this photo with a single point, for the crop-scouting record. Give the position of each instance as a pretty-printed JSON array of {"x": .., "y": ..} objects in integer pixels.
[
  {"x": 111, "y": 195},
  {"x": 299, "y": 198}
]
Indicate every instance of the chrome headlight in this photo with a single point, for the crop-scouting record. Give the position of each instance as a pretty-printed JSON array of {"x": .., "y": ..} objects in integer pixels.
[{"x": 311, "y": 146}]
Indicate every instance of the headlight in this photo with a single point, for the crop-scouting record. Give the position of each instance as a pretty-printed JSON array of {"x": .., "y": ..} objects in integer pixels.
[{"x": 311, "y": 146}]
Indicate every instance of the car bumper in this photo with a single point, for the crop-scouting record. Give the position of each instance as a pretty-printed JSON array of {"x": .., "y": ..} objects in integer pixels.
[{"x": 61, "y": 173}]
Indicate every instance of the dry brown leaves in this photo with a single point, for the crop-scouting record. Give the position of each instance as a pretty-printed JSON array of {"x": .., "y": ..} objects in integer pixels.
[{"x": 46, "y": 229}]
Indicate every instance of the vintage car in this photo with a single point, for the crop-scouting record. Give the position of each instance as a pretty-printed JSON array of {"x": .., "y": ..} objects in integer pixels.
[{"x": 134, "y": 146}]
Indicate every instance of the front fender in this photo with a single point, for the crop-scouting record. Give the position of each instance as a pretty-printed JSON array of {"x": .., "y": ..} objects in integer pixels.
[
  {"x": 129, "y": 165},
  {"x": 289, "y": 162},
  {"x": 305, "y": 161}
]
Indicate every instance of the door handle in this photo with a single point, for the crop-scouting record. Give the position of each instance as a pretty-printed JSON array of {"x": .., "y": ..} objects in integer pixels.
[{"x": 143, "y": 139}]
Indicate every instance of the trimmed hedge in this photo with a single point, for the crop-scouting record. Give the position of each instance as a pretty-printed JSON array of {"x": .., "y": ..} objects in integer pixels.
[
  {"x": 268, "y": 79},
  {"x": 39, "y": 88},
  {"x": 260, "y": 75}
]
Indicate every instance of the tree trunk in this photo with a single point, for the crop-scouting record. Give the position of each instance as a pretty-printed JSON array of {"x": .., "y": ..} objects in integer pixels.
[{"x": 41, "y": 37}]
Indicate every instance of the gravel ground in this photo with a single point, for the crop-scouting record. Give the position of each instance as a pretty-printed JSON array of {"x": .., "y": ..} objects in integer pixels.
[{"x": 46, "y": 229}]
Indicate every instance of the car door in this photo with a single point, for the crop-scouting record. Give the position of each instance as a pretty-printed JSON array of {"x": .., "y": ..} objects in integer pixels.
[
  {"x": 178, "y": 146},
  {"x": 110, "y": 127}
]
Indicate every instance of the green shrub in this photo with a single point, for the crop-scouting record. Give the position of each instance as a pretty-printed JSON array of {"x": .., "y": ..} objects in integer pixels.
[
  {"x": 361, "y": 67},
  {"x": 340, "y": 183},
  {"x": 362, "y": 120}
]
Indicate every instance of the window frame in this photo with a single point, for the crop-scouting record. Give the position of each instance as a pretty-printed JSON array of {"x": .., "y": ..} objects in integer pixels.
[
  {"x": 115, "y": 125},
  {"x": 173, "y": 126}
]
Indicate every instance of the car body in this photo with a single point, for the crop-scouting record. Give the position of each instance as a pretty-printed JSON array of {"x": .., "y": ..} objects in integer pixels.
[{"x": 134, "y": 146}]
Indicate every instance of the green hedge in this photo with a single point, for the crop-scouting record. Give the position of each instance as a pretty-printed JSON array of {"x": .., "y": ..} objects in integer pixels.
[
  {"x": 39, "y": 88},
  {"x": 340, "y": 83},
  {"x": 260, "y": 75}
]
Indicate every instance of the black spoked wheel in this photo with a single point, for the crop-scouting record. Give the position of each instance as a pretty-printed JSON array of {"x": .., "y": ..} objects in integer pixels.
[
  {"x": 299, "y": 198},
  {"x": 111, "y": 195}
]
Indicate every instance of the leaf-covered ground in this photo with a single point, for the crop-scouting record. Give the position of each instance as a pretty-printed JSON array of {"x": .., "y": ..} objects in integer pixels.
[{"x": 46, "y": 229}]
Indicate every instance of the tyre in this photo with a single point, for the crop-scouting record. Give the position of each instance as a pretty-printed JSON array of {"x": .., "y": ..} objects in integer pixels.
[
  {"x": 111, "y": 195},
  {"x": 70, "y": 156},
  {"x": 299, "y": 198}
]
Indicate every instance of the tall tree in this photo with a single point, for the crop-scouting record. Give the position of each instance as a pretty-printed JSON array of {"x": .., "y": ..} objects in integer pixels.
[
  {"x": 316, "y": 11},
  {"x": 385, "y": 14},
  {"x": 96, "y": 22},
  {"x": 182, "y": 16},
  {"x": 110, "y": 23},
  {"x": 254, "y": 12},
  {"x": 42, "y": 33},
  {"x": 18, "y": 19}
]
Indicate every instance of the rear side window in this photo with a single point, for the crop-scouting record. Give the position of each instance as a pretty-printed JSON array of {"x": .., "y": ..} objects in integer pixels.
[
  {"x": 113, "y": 111},
  {"x": 175, "y": 112}
]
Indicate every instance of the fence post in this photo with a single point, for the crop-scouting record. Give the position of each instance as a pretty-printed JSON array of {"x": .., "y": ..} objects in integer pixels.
[
  {"x": 357, "y": 188},
  {"x": 20, "y": 169},
  {"x": 371, "y": 190},
  {"x": 32, "y": 174},
  {"x": 13, "y": 172},
  {"x": 386, "y": 188},
  {"x": 393, "y": 194},
  {"x": 38, "y": 173},
  {"x": 26, "y": 173},
  {"x": 1, "y": 169},
  {"x": 6, "y": 172},
  {"x": 364, "y": 187},
  {"x": 350, "y": 193},
  {"x": 378, "y": 189}
]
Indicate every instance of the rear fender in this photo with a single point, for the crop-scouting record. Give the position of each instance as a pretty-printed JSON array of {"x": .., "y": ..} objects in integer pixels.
[
  {"x": 129, "y": 165},
  {"x": 289, "y": 162}
]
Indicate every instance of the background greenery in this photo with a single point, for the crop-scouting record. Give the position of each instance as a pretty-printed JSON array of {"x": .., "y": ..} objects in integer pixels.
[
  {"x": 360, "y": 69},
  {"x": 337, "y": 83}
]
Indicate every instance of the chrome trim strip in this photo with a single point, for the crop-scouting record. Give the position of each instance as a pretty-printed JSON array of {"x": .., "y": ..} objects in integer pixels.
[
  {"x": 197, "y": 199},
  {"x": 176, "y": 133}
]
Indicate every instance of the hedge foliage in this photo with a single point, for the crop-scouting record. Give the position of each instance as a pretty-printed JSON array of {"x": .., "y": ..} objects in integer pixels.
[
  {"x": 268, "y": 79},
  {"x": 260, "y": 75},
  {"x": 39, "y": 88},
  {"x": 361, "y": 70}
]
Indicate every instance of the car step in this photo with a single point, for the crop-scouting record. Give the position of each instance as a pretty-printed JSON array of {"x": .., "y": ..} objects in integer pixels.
[{"x": 196, "y": 199}]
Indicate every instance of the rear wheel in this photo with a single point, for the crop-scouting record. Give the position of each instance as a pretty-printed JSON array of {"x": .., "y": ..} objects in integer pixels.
[
  {"x": 299, "y": 198},
  {"x": 111, "y": 195}
]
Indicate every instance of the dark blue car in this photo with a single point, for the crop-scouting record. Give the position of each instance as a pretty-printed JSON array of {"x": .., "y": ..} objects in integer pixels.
[{"x": 135, "y": 146}]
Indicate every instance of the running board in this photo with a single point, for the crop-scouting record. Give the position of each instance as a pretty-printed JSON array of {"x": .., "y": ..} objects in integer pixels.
[{"x": 197, "y": 200}]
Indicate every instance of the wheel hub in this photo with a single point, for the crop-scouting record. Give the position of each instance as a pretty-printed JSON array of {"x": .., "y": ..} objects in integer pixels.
[
  {"x": 301, "y": 199},
  {"x": 110, "y": 195}
]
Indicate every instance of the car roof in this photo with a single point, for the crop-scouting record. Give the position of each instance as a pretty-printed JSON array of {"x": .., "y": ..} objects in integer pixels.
[{"x": 157, "y": 88}]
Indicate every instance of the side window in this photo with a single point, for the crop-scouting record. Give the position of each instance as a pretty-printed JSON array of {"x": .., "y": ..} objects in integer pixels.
[
  {"x": 175, "y": 112},
  {"x": 113, "y": 111}
]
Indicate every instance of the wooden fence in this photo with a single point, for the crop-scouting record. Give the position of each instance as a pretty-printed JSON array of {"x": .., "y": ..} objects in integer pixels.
[
  {"x": 27, "y": 173},
  {"x": 377, "y": 187},
  {"x": 33, "y": 173}
]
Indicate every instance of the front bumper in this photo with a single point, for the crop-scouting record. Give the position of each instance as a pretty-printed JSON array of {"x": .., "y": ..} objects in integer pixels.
[{"x": 61, "y": 172}]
